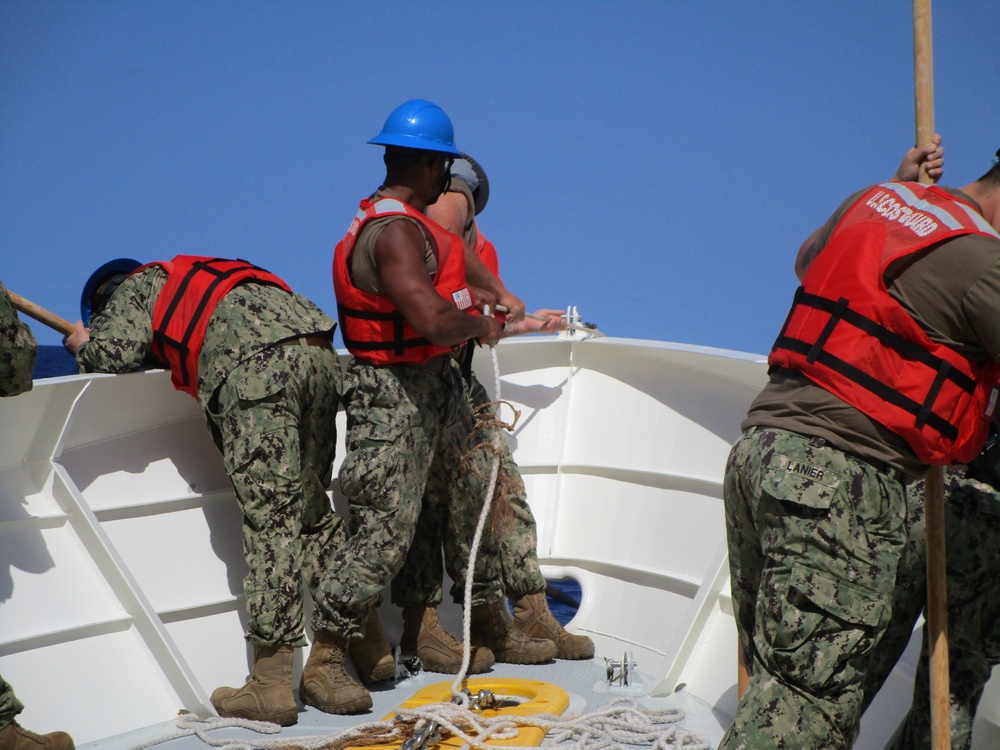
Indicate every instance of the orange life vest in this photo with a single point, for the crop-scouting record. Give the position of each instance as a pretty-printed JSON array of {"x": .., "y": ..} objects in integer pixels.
[
  {"x": 373, "y": 329},
  {"x": 487, "y": 253},
  {"x": 847, "y": 334},
  {"x": 194, "y": 286}
]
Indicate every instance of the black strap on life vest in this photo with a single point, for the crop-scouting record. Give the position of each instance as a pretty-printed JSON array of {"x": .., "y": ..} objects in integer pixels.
[
  {"x": 464, "y": 357},
  {"x": 839, "y": 310},
  {"x": 397, "y": 346},
  {"x": 183, "y": 344}
]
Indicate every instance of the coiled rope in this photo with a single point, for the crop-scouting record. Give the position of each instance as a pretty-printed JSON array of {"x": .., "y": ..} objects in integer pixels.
[{"x": 617, "y": 726}]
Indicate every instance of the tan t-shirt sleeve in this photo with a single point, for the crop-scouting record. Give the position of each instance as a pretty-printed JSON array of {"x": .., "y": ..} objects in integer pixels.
[
  {"x": 363, "y": 265},
  {"x": 981, "y": 305}
]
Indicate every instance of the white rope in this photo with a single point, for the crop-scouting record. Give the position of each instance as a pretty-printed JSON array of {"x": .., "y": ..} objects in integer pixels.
[
  {"x": 618, "y": 725},
  {"x": 622, "y": 639},
  {"x": 190, "y": 725},
  {"x": 456, "y": 686}
]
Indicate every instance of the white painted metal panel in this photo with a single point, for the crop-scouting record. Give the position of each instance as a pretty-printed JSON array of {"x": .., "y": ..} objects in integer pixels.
[
  {"x": 678, "y": 535},
  {"x": 54, "y": 585},
  {"x": 123, "y": 544},
  {"x": 94, "y": 687},
  {"x": 212, "y": 643},
  {"x": 203, "y": 545}
]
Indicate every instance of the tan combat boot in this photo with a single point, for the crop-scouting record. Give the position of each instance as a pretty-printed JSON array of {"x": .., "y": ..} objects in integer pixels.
[
  {"x": 371, "y": 653},
  {"x": 267, "y": 696},
  {"x": 425, "y": 637},
  {"x": 533, "y": 618},
  {"x": 325, "y": 684},
  {"x": 490, "y": 628},
  {"x": 15, "y": 737}
]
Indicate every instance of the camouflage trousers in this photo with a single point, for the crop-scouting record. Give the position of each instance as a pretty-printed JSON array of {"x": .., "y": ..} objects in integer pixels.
[
  {"x": 420, "y": 579},
  {"x": 10, "y": 706},
  {"x": 972, "y": 547},
  {"x": 814, "y": 538},
  {"x": 274, "y": 418},
  {"x": 908, "y": 597},
  {"x": 408, "y": 429}
]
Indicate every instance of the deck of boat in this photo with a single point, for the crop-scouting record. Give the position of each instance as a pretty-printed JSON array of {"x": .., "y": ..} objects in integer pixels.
[
  {"x": 584, "y": 681},
  {"x": 121, "y": 563}
]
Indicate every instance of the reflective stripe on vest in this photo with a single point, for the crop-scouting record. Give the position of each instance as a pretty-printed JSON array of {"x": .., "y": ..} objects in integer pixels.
[{"x": 848, "y": 335}]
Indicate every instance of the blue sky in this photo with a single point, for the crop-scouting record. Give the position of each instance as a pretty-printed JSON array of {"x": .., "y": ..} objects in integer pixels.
[{"x": 656, "y": 164}]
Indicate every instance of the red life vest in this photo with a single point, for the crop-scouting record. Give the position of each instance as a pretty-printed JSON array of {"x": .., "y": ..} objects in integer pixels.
[
  {"x": 487, "y": 253},
  {"x": 373, "y": 329},
  {"x": 848, "y": 335},
  {"x": 194, "y": 286}
]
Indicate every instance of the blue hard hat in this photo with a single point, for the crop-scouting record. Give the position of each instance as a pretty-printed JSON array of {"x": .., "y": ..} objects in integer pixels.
[
  {"x": 97, "y": 290},
  {"x": 418, "y": 124}
]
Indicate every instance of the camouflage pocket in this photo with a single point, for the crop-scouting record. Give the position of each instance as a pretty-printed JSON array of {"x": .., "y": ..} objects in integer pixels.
[
  {"x": 801, "y": 482},
  {"x": 373, "y": 475},
  {"x": 824, "y": 621},
  {"x": 262, "y": 377},
  {"x": 239, "y": 457},
  {"x": 257, "y": 434}
]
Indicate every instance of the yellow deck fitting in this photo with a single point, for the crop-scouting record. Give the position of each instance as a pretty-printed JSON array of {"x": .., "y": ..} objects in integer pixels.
[{"x": 534, "y": 697}]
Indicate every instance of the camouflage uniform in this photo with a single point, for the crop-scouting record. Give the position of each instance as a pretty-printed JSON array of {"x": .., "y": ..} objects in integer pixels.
[
  {"x": 972, "y": 544},
  {"x": 10, "y": 706},
  {"x": 818, "y": 484},
  {"x": 408, "y": 428},
  {"x": 419, "y": 581},
  {"x": 271, "y": 409},
  {"x": 814, "y": 538},
  {"x": 908, "y": 596},
  {"x": 17, "y": 349},
  {"x": 17, "y": 356}
]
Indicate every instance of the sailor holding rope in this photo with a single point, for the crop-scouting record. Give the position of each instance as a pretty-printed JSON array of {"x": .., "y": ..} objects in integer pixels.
[
  {"x": 534, "y": 636},
  {"x": 405, "y": 304}
]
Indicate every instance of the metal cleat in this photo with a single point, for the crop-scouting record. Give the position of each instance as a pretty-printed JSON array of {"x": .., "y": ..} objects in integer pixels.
[
  {"x": 406, "y": 666},
  {"x": 576, "y": 329},
  {"x": 620, "y": 672}
]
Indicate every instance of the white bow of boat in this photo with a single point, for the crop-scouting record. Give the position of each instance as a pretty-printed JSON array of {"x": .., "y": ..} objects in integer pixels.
[{"x": 121, "y": 598}]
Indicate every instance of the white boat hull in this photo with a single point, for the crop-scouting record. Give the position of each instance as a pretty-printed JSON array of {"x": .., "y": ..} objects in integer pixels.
[{"x": 123, "y": 604}]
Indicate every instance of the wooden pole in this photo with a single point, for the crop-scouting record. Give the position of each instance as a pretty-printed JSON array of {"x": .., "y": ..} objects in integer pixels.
[
  {"x": 937, "y": 610},
  {"x": 41, "y": 314},
  {"x": 742, "y": 675},
  {"x": 937, "y": 589},
  {"x": 923, "y": 76}
]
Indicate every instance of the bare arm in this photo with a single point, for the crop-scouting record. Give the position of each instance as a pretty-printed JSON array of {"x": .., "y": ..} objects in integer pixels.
[
  {"x": 399, "y": 252},
  {"x": 542, "y": 321},
  {"x": 451, "y": 211}
]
